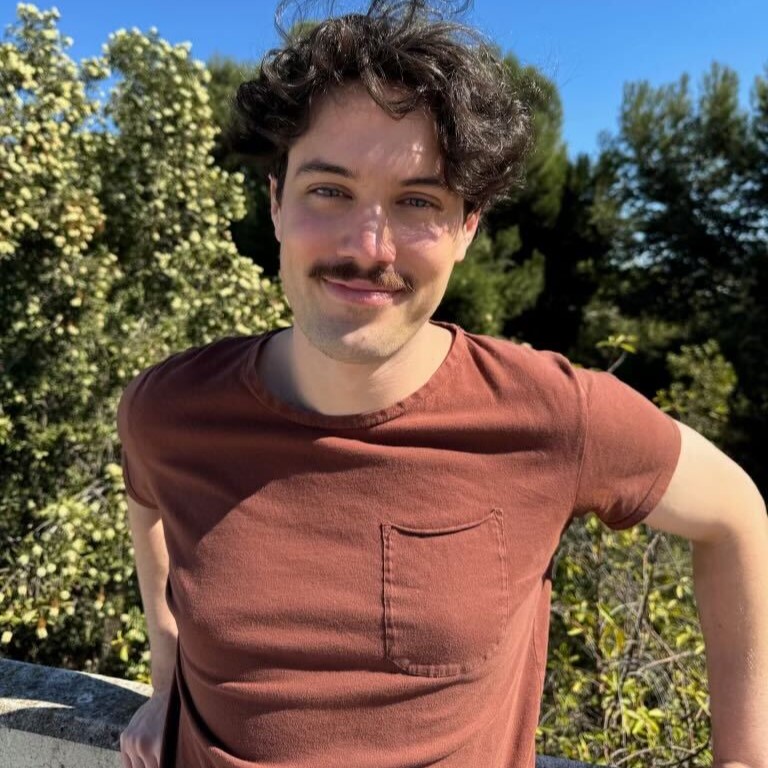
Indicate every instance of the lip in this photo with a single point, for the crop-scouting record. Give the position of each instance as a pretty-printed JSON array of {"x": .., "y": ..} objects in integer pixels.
[{"x": 360, "y": 292}]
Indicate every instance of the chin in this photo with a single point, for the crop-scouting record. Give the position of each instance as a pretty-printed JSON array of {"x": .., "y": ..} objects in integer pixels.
[{"x": 361, "y": 346}]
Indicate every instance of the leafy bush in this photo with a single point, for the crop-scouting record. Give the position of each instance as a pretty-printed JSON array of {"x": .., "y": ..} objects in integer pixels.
[{"x": 114, "y": 252}]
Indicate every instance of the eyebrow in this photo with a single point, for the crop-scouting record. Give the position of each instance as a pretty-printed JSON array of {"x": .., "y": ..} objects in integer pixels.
[{"x": 321, "y": 166}]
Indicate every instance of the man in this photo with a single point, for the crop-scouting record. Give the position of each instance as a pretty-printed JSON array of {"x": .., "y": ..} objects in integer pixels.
[{"x": 356, "y": 516}]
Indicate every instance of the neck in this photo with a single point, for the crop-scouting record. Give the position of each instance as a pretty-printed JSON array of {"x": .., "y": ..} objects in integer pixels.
[{"x": 293, "y": 370}]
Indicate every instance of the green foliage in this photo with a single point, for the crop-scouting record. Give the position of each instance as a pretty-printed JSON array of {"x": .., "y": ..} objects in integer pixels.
[
  {"x": 626, "y": 678},
  {"x": 487, "y": 287},
  {"x": 114, "y": 252},
  {"x": 226, "y": 75},
  {"x": 684, "y": 182},
  {"x": 561, "y": 214},
  {"x": 548, "y": 166},
  {"x": 71, "y": 576},
  {"x": 602, "y": 321},
  {"x": 253, "y": 234},
  {"x": 702, "y": 384}
]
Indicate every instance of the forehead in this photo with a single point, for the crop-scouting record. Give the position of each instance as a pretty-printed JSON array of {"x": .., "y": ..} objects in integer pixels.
[{"x": 348, "y": 127}]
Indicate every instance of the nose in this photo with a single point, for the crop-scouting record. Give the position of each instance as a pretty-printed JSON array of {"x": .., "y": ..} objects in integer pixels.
[{"x": 368, "y": 237}]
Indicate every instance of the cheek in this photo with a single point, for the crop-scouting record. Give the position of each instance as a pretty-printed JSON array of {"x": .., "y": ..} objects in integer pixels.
[
  {"x": 308, "y": 231},
  {"x": 426, "y": 234},
  {"x": 425, "y": 247},
  {"x": 430, "y": 246}
]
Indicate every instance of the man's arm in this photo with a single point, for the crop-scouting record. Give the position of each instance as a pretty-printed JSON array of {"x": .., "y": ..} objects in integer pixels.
[
  {"x": 151, "y": 557},
  {"x": 712, "y": 502}
]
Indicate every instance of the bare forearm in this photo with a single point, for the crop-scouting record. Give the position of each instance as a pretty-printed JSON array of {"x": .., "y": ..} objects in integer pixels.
[
  {"x": 151, "y": 558},
  {"x": 731, "y": 585},
  {"x": 163, "y": 660}
]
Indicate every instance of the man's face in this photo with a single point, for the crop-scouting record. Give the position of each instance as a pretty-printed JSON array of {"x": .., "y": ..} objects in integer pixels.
[{"x": 368, "y": 231}]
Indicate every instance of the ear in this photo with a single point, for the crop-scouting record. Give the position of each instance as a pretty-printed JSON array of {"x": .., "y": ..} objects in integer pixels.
[
  {"x": 274, "y": 207},
  {"x": 468, "y": 232}
]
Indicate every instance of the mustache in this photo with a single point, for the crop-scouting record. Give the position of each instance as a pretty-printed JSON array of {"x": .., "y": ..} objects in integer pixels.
[{"x": 380, "y": 277}]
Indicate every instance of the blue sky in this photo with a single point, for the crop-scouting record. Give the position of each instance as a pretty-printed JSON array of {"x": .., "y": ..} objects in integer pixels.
[{"x": 590, "y": 48}]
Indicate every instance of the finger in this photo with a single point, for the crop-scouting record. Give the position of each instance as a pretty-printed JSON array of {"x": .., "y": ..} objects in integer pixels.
[
  {"x": 131, "y": 758},
  {"x": 125, "y": 759},
  {"x": 150, "y": 756}
]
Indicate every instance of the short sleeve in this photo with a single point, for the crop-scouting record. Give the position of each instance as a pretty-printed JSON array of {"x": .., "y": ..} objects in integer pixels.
[
  {"x": 630, "y": 450},
  {"x": 135, "y": 471}
]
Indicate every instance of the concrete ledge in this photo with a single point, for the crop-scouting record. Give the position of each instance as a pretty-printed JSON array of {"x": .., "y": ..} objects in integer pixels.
[
  {"x": 59, "y": 718},
  {"x": 56, "y": 718}
]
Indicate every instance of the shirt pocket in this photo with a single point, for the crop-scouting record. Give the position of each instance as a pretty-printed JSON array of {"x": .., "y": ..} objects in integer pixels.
[{"x": 445, "y": 595}]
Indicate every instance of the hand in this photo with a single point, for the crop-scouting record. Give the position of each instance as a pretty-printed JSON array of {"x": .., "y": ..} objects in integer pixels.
[{"x": 140, "y": 742}]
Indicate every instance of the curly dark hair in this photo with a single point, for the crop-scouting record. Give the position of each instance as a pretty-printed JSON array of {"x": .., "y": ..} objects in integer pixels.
[{"x": 407, "y": 57}]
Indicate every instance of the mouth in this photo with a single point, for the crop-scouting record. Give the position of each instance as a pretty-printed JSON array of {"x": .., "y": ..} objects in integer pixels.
[{"x": 360, "y": 292}]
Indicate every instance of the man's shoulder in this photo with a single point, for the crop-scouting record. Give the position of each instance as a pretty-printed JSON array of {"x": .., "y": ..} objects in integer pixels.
[
  {"x": 520, "y": 358},
  {"x": 190, "y": 368}
]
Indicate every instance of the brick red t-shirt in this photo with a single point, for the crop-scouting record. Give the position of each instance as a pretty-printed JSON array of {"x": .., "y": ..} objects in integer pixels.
[{"x": 373, "y": 590}]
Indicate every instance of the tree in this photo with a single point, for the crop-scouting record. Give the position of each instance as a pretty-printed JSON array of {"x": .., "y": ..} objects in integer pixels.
[
  {"x": 114, "y": 252},
  {"x": 488, "y": 288},
  {"x": 554, "y": 216},
  {"x": 253, "y": 234},
  {"x": 688, "y": 192}
]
